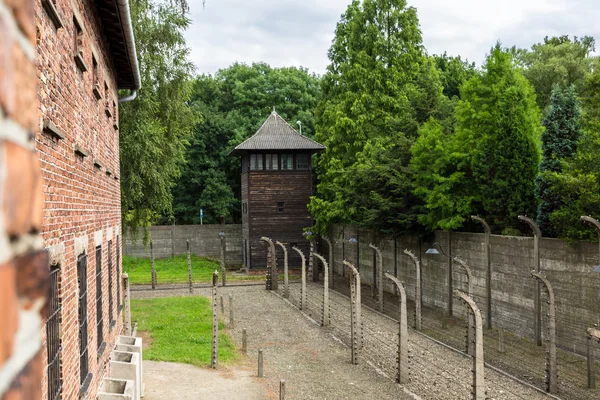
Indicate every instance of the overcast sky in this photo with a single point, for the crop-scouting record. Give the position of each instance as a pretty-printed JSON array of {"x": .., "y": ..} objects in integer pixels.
[{"x": 299, "y": 32}]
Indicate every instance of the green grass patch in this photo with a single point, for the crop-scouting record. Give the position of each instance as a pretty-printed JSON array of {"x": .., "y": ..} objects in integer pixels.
[
  {"x": 174, "y": 270},
  {"x": 181, "y": 329}
]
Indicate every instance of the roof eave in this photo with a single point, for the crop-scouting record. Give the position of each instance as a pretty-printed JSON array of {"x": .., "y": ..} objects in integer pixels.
[{"x": 243, "y": 152}]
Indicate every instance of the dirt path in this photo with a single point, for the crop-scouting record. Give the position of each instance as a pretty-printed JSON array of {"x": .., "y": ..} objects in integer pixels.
[{"x": 164, "y": 380}]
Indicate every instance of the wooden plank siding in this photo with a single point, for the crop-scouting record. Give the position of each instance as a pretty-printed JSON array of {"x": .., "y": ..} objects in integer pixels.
[{"x": 265, "y": 189}]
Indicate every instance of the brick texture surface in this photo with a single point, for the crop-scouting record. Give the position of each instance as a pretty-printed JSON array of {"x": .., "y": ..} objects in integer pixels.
[
  {"x": 48, "y": 191},
  {"x": 79, "y": 198}
]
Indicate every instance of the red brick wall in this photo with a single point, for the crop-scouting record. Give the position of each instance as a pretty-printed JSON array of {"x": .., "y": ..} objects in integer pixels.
[
  {"x": 23, "y": 260},
  {"x": 81, "y": 192}
]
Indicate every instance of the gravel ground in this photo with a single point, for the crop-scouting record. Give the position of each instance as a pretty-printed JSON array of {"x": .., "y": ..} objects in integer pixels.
[
  {"x": 521, "y": 358},
  {"x": 435, "y": 371},
  {"x": 313, "y": 364}
]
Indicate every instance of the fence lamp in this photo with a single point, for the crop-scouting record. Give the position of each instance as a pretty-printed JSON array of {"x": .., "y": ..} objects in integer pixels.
[
  {"x": 597, "y": 269},
  {"x": 436, "y": 249},
  {"x": 307, "y": 234},
  {"x": 222, "y": 234},
  {"x": 353, "y": 240}
]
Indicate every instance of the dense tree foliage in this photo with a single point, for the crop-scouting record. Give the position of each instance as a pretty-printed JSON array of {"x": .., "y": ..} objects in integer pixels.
[
  {"x": 414, "y": 142},
  {"x": 378, "y": 89},
  {"x": 488, "y": 166},
  {"x": 558, "y": 61},
  {"x": 559, "y": 143},
  {"x": 155, "y": 127},
  {"x": 579, "y": 181},
  {"x": 233, "y": 104}
]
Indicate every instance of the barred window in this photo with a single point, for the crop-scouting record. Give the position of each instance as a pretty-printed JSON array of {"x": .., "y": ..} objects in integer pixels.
[
  {"x": 99, "y": 316},
  {"x": 280, "y": 206},
  {"x": 53, "y": 344},
  {"x": 110, "y": 285},
  {"x": 83, "y": 318},
  {"x": 302, "y": 161},
  {"x": 118, "y": 277},
  {"x": 287, "y": 161}
]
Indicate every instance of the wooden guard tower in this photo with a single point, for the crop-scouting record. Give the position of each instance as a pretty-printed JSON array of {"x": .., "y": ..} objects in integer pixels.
[{"x": 276, "y": 189}]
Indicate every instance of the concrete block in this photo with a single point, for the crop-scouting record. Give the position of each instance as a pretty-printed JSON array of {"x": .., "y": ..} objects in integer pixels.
[
  {"x": 116, "y": 389},
  {"x": 125, "y": 366},
  {"x": 132, "y": 344}
]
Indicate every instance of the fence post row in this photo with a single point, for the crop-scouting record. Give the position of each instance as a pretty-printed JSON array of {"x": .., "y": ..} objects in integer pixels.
[
  {"x": 325, "y": 314},
  {"x": 303, "y": 285},
  {"x": 215, "y": 323},
  {"x": 355, "y": 315},
  {"x": 488, "y": 264},
  {"x": 537, "y": 234},
  {"x": 417, "y": 288},
  {"x": 379, "y": 276},
  {"x": 331, "y": 262},
  {"x": 403, "y": 368},
  {"x": 478, "y": 392},
  {"x": 593, "y": 334},
  {"x": 470, "y": 339},
  {"x": 152, "y": 265},
  {"x": 189, "y": 262},
  {"x": 551, "y": 366},
  {"x": 286, "y": 289}
]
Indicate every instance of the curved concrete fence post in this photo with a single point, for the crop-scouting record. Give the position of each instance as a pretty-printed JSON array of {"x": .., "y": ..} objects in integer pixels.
[
  {"x": 286, "y": 289},
  {"x": 325, "y": 314},
  {"x": 379, "y": 275},
  {"x": 152, "y": 266},
  {"x": 478, "y": 392},
  {"x": 355, "y": 314},
  {"x": 418, "y": 299},
  {"x": 273, "y": 262},
  {"x": 470, "y": 339},
  {"x": 215, "y": 323},
  {"x": 303, "y": 278},
  {"x": 403, "y": 369},
  {"x": 127, "y": 306},
  {"x": 189, "y": 266},
  {"x": 331, "y": 262},
  {"x": 593, "y": 335},
  {"x": 596, "y": 224},
  {"x": 537, "y": 234},
  {"x": 551, "y": 366},
  {"x": 488, "y": 265}
]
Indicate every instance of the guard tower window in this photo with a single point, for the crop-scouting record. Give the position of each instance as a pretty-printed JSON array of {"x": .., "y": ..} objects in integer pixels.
[
  {"x": 287, "y": 161},
  {"x": 272, "y": 163},
  {"x": 256, "y": 162},
  {"x": 280, "y": 206},
  {"x": 302, "y": 161}
]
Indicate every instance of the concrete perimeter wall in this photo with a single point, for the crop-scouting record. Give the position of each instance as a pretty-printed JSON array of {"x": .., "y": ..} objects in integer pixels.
[
  {"x": 204, "y": 242},
  {"x": 568, "y": 268}
]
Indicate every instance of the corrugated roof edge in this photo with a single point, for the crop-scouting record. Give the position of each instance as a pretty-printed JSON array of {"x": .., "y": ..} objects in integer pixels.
[{"x": 127, "y": 25}]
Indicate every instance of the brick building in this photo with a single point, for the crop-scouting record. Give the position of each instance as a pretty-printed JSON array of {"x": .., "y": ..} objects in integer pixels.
[{"x": 61, "y": 65}]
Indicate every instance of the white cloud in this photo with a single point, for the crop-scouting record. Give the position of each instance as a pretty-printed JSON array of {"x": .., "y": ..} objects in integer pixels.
[{"x": 299, "y": 32}]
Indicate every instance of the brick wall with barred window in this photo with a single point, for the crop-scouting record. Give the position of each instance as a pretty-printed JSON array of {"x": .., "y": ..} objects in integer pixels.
[
  {"x": 77, "y": 140},
  {"x": 24, "y": 273}
]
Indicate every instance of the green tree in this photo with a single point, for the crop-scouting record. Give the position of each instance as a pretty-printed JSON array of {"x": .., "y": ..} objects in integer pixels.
[
  {"x": 490, "y": 163},
  {"x": 578, "y": 182},
  {"x": 379, "y": 87},
  {"x": 559, "y": 143},
  {"x": 155, "y": 127},
  {"x": 557, "y": 61},
  {"x": 454, "y": 71}
]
